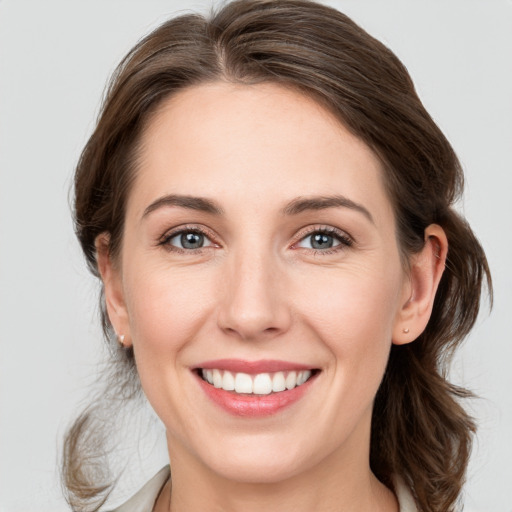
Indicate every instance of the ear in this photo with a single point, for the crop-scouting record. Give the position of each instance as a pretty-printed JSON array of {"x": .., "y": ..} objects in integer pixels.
[
  {"x": 114, "y": 295},
  {"x": 426, "y": 270}
]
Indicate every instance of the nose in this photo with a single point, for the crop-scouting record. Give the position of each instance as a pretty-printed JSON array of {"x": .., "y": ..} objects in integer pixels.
[{"x": 254, "y": 304}]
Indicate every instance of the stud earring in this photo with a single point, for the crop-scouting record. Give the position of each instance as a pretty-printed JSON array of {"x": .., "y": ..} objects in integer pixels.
[
  {"x": 406, "y": 330},
  {"x": 120, "y": 339}
]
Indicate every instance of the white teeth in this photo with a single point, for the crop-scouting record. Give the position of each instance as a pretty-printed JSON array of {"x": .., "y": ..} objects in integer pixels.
[
  {"x": 262, "y": 384},
  {"x": 217, "y": 378},
  {"x": 228, "y": 381},
  {"x": 303, "y": 377},
  {"x": 291, "y": 380},
  {"x": 278, "y": 382},
  {"x": 243, "y": 383},
  {"x": 259, "y": 384}
]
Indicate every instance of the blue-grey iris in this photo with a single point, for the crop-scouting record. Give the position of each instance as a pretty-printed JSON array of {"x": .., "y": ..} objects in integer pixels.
[
  {"x": 321, "y": 241},
  {"x": 192, "y": 240}
]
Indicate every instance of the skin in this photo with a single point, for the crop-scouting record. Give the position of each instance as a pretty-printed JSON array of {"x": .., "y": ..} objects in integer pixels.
[{"x": 259, "y": 290}]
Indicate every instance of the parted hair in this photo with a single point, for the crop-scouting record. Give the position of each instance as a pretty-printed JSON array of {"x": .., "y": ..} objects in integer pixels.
[{"x": 420, "y": 430}]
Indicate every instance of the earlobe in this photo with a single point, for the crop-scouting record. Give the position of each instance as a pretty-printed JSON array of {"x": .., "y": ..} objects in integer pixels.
[
  {"x": 426, "y": 270},
  {"x": 112, "y": 283}
]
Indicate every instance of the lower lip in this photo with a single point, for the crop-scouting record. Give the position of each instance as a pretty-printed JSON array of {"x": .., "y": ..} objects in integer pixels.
[{"x": 254, "y": 405}]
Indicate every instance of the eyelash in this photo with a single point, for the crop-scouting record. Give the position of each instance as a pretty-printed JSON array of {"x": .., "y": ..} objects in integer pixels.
[
  {"x": 345, "y": 241},
  {"x": 343, "y": 238},
  {"x": 165, "y": 239}
]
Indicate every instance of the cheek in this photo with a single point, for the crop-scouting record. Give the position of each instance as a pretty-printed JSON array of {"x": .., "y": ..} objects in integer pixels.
[
  {"x": 352, "y": 300},
  {"x": 353, "y": 313},
  {"x": 166, "y": 310},
  {"x": 166, "y": 307}
]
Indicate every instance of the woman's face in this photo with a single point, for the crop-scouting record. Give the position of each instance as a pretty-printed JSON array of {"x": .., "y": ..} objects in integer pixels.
[{"x": 259, "y": 244}]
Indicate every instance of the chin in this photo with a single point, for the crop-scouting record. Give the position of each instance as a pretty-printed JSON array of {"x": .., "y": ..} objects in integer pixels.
[
  {"x": 266, "y": 470},
  {"x": 259, "y": 460}
]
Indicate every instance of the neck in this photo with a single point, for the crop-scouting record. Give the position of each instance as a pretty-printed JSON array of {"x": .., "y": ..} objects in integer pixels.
[
  {"x": 341, "y": 482},
  {"x": 294, "y": 495}
]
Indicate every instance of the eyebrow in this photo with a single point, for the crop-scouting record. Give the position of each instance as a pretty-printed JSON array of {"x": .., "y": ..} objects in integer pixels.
[
  {"x": 190, "y": 202},
  {"x": 294, "y": 207},
  {"x": 302, "y": 204}
]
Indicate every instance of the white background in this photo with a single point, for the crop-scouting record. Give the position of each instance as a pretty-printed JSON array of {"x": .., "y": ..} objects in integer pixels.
[{"x": 55, "y": 57}]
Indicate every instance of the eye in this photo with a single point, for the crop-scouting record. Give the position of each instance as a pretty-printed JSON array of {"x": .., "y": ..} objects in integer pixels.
[
  {"x": 325, "y": 240},
  {"x": 187, "y": 240},
  {"x": 319, "y": 241}
]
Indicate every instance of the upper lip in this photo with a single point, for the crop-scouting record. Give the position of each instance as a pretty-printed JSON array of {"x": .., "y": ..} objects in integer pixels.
[{"x": 252, "y": 367}]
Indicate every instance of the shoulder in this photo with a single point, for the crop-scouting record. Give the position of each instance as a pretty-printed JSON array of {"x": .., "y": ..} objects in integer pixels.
[
  {"x": 144, "y": 500},
  {"x": 404, "y": 496}
]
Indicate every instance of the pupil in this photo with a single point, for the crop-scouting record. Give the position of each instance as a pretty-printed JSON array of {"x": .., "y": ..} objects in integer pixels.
[
  {"x": 321, "y": 241},
  {"x": 192, "y": 240}
]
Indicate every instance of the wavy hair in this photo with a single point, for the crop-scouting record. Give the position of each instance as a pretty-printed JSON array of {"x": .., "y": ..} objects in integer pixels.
[{"x": 420, "y": 431}]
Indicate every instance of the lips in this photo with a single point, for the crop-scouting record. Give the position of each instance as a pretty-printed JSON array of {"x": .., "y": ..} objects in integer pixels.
[{"x": 254, "y": 388}]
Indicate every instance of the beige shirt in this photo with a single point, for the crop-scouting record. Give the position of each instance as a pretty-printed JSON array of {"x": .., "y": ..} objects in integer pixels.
[{"x": 144, "y": 500}]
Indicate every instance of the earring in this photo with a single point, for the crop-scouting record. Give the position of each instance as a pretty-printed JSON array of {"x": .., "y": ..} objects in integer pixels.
[
  {"x": 406, "y": 330},
  {"x": 120, "y": 339}
]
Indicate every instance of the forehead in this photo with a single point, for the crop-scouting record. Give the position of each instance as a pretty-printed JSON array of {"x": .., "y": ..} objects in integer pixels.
[{"x": 261, "y": 142}]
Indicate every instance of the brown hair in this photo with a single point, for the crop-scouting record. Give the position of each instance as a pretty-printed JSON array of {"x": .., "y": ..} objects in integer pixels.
[{"x": 420, "y": 432}]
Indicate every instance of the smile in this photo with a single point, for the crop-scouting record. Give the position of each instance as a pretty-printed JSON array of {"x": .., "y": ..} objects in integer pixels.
[
  {"x": 258, "y": 384},
  {"x": 254, "y": 388}
]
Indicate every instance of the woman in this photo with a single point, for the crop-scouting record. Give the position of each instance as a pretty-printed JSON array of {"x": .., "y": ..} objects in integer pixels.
[{"x": 269, "y": 208}]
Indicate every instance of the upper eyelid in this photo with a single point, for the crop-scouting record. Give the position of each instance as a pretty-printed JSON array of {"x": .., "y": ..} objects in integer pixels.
[
  {"x": 171, "y": 233},
  {"x": 322, "y": 228},
  {"x": 165, "y": 239}
]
